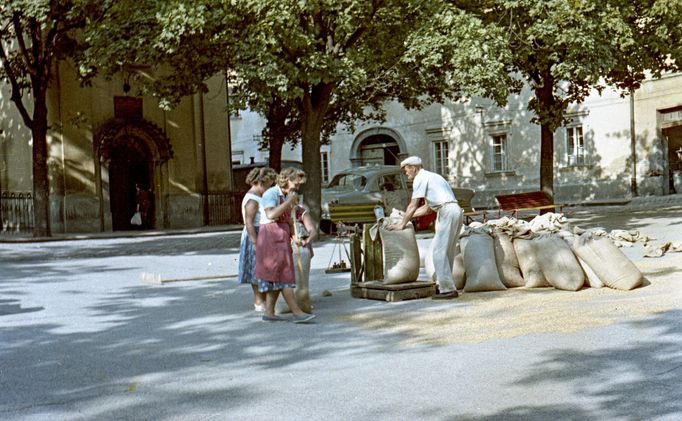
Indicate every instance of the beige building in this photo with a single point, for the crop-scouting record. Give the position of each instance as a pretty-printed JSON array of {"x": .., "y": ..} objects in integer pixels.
[
  {"x": 103, "y": 142},
  {"x": 658, "y": 112}
]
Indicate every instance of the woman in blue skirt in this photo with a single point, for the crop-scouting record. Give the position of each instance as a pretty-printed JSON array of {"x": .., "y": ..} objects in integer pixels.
[{"x": 260, "y": 180}]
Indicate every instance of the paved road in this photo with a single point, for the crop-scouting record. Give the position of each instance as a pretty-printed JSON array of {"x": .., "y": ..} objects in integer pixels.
[{"x": 82, "y": 337}]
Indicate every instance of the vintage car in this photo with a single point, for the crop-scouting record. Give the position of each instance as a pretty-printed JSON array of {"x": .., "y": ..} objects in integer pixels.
[
  {"x": 384, "y": 185},
  {"x": 365, "y": 185}
]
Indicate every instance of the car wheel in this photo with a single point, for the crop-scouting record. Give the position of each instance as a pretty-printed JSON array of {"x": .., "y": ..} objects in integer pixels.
[{"x": 327, "y": 226}]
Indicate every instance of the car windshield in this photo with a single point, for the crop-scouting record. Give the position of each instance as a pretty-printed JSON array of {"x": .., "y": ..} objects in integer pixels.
[{"x": 349, "y": 182}]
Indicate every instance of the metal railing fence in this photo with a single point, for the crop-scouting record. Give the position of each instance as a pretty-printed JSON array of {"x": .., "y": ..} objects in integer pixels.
[
  {"x": 224, "y": 208},
  {"x": 16, "y": 212}
]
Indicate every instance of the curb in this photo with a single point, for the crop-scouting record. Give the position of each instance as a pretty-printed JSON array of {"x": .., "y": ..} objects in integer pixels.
[{"x": 23, "y": 238}]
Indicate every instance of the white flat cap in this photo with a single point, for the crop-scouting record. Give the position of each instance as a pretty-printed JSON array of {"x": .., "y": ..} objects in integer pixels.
[{"x": 413, "y": 160}]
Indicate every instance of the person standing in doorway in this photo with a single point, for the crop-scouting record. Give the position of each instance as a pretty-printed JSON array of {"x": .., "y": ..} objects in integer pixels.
[
  {"x": 143, "y": 197},
  {"x": 441, "y": 199},
  {"x": 260, "y": 180}
]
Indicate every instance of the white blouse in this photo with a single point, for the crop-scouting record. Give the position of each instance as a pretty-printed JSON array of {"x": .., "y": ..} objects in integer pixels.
[{"x": 257, "y": 199}]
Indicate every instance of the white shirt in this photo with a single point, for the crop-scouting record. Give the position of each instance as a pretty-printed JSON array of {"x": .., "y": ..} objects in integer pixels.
[
  {"x": 257, "y": 199},
  {"x": 432, "y": 187}
]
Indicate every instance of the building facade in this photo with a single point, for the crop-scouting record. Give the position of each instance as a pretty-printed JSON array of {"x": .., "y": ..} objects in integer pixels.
[
  {"x": 496, "y": 150},
  {"x": 104, "y": 140}
]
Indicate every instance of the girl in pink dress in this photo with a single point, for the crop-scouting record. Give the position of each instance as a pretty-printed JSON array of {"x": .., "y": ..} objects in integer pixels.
[{"x": 274, "y": 260}]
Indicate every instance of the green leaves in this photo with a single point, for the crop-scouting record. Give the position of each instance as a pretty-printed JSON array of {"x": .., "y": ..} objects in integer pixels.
[{"x": 582, "y": 43}]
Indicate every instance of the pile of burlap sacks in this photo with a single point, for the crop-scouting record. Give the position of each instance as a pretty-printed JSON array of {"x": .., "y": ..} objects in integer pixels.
[{"x": 506, "y": 253}]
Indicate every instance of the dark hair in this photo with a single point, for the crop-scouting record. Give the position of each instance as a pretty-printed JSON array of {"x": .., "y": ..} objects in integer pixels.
[
  {"x": 261, "y": 175},
  {"x": 267, "y": 175}
]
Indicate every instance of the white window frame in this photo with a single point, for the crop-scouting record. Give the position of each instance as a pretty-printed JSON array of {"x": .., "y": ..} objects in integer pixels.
[
  {"x": 324, "y": 166},
  {"x": 441, "y": 157},
  {"x": 575, "y": 145},
  {"x": 503, "y": 151},
  {"x": 496, "y": 130}
]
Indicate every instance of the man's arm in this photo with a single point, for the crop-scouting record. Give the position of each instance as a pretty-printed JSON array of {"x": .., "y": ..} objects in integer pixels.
[
  {"x": 409, "y": 212},
  {"x": 423, "y": 210}
]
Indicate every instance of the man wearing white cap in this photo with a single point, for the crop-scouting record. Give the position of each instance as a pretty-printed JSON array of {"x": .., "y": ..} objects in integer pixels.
[{"x": 441, "y": 199}]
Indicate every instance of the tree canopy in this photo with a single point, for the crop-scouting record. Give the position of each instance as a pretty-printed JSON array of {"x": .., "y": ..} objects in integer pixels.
[{"x": 325, "y": 61}]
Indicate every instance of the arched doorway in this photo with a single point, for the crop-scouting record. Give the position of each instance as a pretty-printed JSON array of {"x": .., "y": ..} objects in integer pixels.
[
  {"x": 132, "y": 153},
  {"x": 130, "y": 166},
  {"x": 379, "y": 150},
  {"x": 378, "y": 146}
]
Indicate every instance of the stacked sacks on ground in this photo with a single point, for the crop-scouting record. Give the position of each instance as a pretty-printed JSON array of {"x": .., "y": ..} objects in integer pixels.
[{"x": 508, "y": 253}]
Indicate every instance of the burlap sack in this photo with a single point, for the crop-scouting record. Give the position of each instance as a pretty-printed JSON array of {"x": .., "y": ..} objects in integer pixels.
[
  {"x": 612, "y": 267},
  {"x": 302, "y": 257},
  {"x": 401, "y": 255},
  {"x": 558, "y": 264},
  {"x": 593, "y": 280},
  {"x": 479, "y": 263},
  {"x": 528, "y": 262},
  {"x": 506, "y": 260},
  {"x": 458, "y": 271}
]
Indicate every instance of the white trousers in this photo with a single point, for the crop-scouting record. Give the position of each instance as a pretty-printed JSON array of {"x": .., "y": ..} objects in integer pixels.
[{"x": 444, "y": 246}]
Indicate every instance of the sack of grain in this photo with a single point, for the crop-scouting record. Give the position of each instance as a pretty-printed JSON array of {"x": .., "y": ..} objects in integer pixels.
[
  {"x": 302, "y": 257},
  {"x": 479, "y": 264},
  {"x": 458, "y": 271},
  {"x": 506, "y": 260},
  {"x": 528, "y": 262},
  {"x": 400, "y": 254},
  {"x": 558, "y": 264},
  {"x": 608, "y": 262},
  {"x": 592, "y": 279}
]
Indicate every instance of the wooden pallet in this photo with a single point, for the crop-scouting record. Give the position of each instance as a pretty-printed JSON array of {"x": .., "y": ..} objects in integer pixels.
[{"x": 376, "y": 290}]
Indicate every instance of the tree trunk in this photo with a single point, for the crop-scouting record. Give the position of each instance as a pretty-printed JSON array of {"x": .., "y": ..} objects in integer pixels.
[
  {"x": 547, "y": 160},
  {"x": 277, "y": 131},
  {"x": 41, "y": 185},
  {"x": 312, "y": 193},
  {"x": 275, "y": 144},
  {"x": 547, "y": 105},
  {"x": 314, "y": 108}
]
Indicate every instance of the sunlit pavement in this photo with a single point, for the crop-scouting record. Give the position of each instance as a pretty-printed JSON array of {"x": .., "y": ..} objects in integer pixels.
[{"x": 83, "y": 336}]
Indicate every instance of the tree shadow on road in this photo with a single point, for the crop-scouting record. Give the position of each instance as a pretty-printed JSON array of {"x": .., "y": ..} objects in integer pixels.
[
  {"x": 177, "y": 245},
  {"x": 131, "y": 347},
  {"x": 642, "y": 380}
]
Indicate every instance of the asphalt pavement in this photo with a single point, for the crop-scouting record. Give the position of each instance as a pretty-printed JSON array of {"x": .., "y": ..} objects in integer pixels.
[{"x": 86, "y": 334}]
